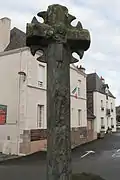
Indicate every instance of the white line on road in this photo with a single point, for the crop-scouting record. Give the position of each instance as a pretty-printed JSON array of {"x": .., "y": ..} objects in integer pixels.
[
  {"x": 87, "y": 152},
  {"x": 115, "y": 154}
]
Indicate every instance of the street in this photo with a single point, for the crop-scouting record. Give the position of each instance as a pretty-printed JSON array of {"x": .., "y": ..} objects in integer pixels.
[{"x": 101, "y": 157}]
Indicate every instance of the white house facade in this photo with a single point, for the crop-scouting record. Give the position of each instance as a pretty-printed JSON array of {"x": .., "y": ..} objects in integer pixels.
[
  {"x": 102, "y": 103},
  {"x": 23, "y": 120},
  {"x": 104, "y": 110}
]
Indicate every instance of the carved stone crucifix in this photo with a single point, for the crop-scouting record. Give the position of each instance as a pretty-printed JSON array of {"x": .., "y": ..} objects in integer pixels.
[{"x": 58, "y": 39}]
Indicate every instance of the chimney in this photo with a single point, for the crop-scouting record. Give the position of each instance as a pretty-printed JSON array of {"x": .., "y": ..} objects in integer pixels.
[
  {"x": 81, "y": 68},
  {"x": 5, "y": 24},
  {"x": 102, "y": 79}
]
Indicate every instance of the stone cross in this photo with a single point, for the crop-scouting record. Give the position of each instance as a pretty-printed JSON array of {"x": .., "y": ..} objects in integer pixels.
[{"x": 58, "y": 39}]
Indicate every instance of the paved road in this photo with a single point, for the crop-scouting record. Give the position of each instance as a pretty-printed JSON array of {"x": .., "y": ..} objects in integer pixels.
[{"x": 105, "y": 161}]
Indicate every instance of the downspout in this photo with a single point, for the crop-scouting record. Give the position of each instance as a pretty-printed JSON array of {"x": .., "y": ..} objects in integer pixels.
[
  {"x": 26, "y": 93},
  {"x": 19, "y": 88}
]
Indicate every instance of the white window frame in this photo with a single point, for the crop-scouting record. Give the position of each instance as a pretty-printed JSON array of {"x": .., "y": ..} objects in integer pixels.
[
  {"x": 40, "y": 115},
  {"x": 41, "y": 79},
  {"x": 102, "y": 121},
  {"x": 106, "y": 90},
  {"x": 107, "y": 104},
  {"x": 102, "y": 104},
  {"x": 107, "y": 121},
  {"x": 111, "y": 105},
  {"x": 79, "y": 84},
  {"x": 112, "y": 123}
]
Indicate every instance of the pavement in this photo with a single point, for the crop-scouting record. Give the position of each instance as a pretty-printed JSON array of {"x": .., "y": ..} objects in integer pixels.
[
  {"x": 101, "y": 157},
  {"x": 4, "y": 157}
]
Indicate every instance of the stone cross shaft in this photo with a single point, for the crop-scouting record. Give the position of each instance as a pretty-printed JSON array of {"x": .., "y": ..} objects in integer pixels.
[{"x": 58, "y": 39}]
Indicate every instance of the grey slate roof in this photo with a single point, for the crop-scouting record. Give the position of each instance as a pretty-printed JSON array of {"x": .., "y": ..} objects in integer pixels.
[
  {"x": 118, "y": 110},
  {"x": 94, "y": 83},
  {"x": 17, "y": 39}
]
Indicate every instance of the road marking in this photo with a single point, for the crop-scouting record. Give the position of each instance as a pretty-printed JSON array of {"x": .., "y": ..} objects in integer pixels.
[
  {"x": 118, "y": 155},
  {"x": 115, "y": 154},
  {"x": 87, "y": 152}
]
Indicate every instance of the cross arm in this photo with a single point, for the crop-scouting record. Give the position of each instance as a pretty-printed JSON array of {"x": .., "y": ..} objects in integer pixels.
[
  {"x": 78, "y": 39},
  {"x": 38, "y": 34},
  {"x": 57, "y": 28}
]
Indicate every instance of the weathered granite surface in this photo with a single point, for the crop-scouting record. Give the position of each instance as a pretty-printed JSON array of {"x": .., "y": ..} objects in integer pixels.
[{"x": 58, "y": 39}]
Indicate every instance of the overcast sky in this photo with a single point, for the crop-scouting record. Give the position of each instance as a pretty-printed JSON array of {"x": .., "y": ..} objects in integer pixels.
[{"x": 101, "y": 18}]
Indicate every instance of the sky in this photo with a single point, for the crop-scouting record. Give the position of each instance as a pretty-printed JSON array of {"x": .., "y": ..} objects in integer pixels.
[{"x": 101, "y": 18}]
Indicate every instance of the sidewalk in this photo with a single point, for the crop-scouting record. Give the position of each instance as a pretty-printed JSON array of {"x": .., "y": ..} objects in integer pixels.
[{"x": 4, "y": 157}]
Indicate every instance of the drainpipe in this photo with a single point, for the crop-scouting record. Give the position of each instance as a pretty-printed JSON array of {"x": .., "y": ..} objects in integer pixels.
[
  {"x": 18, "y": 119},
  {"x": 22, "y": 79}
]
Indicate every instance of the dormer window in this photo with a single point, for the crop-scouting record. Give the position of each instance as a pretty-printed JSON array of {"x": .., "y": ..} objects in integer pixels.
[
  {"x": 106, "y": 90},
  {"x": 106, "y": 87}
]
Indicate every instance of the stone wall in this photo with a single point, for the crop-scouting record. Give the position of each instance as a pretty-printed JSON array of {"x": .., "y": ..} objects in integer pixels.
[
  {"x": 36, "y": 139},
  {"x": 25, "y": 142},
  {"x": 78, "y": 136}
]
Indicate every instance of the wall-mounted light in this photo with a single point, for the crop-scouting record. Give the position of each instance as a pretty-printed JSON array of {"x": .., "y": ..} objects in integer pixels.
[{"x": 23, "y": 75}]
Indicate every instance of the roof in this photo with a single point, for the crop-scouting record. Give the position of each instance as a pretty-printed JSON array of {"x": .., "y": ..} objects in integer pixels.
[
  {"x": 118, "y": 110},
  {"x": 90, "y": 115},
  {"x": 94, "y": 83},
  {"x": 17, "y": 39}
]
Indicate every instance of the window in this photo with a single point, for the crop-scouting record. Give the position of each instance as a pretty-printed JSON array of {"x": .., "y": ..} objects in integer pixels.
[
  {"x": 79, "y": 84},
  {"x": 106, "y": 90},
  {"x": 101, "y": 103},
  {"x": 107, "y": 121},
  {"x": 102, "y": 121},
  {"x": 40, "y": 115},
  {"x": 102, "y": 106},
  {"x": 41, "y": 75},
  {"x": 72, "y": 111},
  {"x": 106, "y": 104},
  {"x": 79, "y": 117},
  {"x": 107, "y": 96},
  {"x": 78, "y": 91},
  {"x": 112, "y": 122},
  {"x": 111, "y": 105}
]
